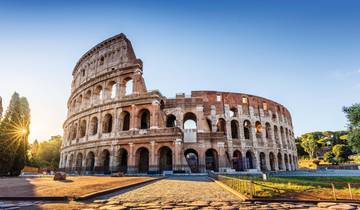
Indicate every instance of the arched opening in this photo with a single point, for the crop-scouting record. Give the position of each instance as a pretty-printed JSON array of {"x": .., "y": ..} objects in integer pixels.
[
  {"x": 282, "y": 134},
  {"x": 221, "y": 126},
  {"x": 87, "y": 97},
  {"x": 192, "y": 159},
  {"x": 276, "y": 133},
  {"x": 258, "y": 128},
  {"x": 82, "y": 128},
  {"x": 272, "y": 161},
  {"x": 286, "y": 162},
  {"x": 211, "y": 160},
  {"x": 94, "y": 126},
  {"x": 114, "y": 89},
  {"x": 144, "y": 116},
  {"x": 290, "y": 161},
  {"x": 267, "y": 130},
  {"x": 263, "y": 162},
  {"x": 71, "y": 162},
  {"x": 128, "y": 86},
  {"x": 99, "y": 92},
  {"x": 90, "y": 162},
  {"x": 108, "y": 123},
  {"x": 234, "y": 129},
  {"x": 208, "y": 121},
  {"x": 125, "y": 121},
  {"x": 123, "y": 160},
  {"x": 74, "y": 131},
  {"x": 233, "y": 112},
  {"x": 237, "y": 161},
  {"x": 190, "y": 121},
  {"x": 105, "y": 157},
  {"x": 165, "y": 159},
  {"x": 79, "y": 159},
  {"x": 250, "y": 160},
  {"x": 79, "y": 101},
  {"x": 170, "y": 121},
  {"x": 247, "y": 127},
  {"x": 142, "y": 160},
  {"x": 280, "y": 161}
]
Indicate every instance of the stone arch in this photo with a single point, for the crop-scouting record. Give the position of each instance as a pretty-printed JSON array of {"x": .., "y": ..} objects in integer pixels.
[
  {"x": 122, "y": 160},
  {"x": 258, "y": 129},
  {"x": 209, "y": 124},
  {"x": 247, "y": 129},
  {"x": 272, "y": 161},
  {"x": 80, "y": 100},
  {"x": 286, "y": 162},
  {"x": 144, "y": 119},
  {"x": 87, "y": 97},
  {"x": 125, "y": 121},
  {"x": 250, "y": 160},
  {"x": 71, "y": 162},
  {"x": 282, "y": 135},
  {"x": 142, "y": 160},
  {"x": 262, "y": 157},
  {"x": 74, "y": 131},
  {"x": 79, "y": 158},
  {"x": 233, "y": 112},
  {"x": 165, "y": 159},
  {"x": 107, "y": 123},
  {"x": 105, "y": 161},
  {"x": 280, "y": 161},
  {"x": 112, "y": 89},
  {"x": 94, "y": 126},
  {"x": 276, "y": 134},
  {"x": 234, "y": 129},
  {"x": 190, "y": 121},
  {"x": 192, "y": 158},
  {"x": 99, "y": 92},
  {"x": 90, "y": 162},
  {"x": 268, "y": 131},
  {"x": 170, "y": 121},
  {"x": 237, "y": 161},
  {"x": 211, "y": 160},
  {"x": 82, "y": 128},
  {"x": 290, "y": 162},
  {"x": 221, "y": 125},
  {"x": 129, "y": 86}
]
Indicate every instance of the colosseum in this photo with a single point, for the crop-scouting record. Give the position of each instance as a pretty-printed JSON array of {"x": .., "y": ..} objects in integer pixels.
[{"x": 114, "y": 124}]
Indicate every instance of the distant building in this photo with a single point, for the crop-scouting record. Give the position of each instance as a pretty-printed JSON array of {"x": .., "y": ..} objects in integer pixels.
[{"x": 115, "y": 124}]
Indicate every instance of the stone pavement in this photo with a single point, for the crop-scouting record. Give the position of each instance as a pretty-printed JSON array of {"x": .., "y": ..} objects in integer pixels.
[{"x": 179, "y": 193}]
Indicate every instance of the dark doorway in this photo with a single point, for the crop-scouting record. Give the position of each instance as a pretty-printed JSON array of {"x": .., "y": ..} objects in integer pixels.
[
  {"x": 142, "y": 160},
  {"x": 211, "y": 160},
  {"x": 263, "y": 162},
  {"x": 165, "y": 159},
  {"x": 123, "y": 160},
  {"x": 192, "y": 159},
  {"x": 249, "y": 160},
  {"x": 106, "y": 161},
  {"x": 237, "y": 161},
  {"x": 272, "y": 161},
  {"x": 90, "y": 162}
]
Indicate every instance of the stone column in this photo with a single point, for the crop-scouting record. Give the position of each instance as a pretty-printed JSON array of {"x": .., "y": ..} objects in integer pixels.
[
  {"x": 267, "y": 161},
  {"x": 177, "y": 163},
  {"x": 221, "y": 156},
  {"x": 154, "y": 115},
  {"x": 153, "y": 166},
  {"x": 133, "y": 116},
  {"x": 131, "y": 159}
]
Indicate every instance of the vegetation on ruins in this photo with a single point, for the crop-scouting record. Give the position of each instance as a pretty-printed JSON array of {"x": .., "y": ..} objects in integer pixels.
[{"x": 14, "y": 132}]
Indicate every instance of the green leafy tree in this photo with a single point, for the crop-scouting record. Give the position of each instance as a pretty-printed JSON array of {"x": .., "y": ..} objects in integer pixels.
[
  {"x": 353, "y": 116},
  {"x": 309, "y": 143},
  {"x": 341, "y": 153},
  {"x": 46, "y": 153},
  {"x": 330, "y": 157}
]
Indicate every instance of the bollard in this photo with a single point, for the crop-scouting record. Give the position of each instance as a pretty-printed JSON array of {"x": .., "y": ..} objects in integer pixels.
[
  {"x": 351, "y": 196},
  {"x": 333, "y": 190}
]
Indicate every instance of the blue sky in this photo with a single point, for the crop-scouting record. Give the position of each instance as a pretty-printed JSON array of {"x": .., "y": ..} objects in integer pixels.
[{"x": 302, "y": 54}]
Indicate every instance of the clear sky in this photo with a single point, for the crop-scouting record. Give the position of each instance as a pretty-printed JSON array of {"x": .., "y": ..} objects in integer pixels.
[{"x": 302, "y": 54}]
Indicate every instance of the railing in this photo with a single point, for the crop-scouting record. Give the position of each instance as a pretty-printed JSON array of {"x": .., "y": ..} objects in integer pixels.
[{"x": 245, "y": 187}]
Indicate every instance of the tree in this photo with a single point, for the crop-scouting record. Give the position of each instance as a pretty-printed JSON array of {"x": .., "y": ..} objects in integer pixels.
[
  {"x": 46, "y": 153},
  {"x": 14, "y": 131},
  {"x": 341, "y": 153},
  {"x": 353, "y": 116},
  {"x": 329, "y": 157},
  {"x": 309, "y": 143}
]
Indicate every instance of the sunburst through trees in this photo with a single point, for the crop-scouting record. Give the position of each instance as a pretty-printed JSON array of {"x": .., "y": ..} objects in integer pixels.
[{"x": 14, "y": 132}]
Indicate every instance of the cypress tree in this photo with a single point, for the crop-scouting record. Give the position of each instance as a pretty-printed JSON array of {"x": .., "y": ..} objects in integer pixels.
[{"x": 14, "y": 136}]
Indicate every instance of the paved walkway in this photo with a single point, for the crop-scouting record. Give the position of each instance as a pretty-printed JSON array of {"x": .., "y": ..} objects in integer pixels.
[{"x": 179, "y": 193}]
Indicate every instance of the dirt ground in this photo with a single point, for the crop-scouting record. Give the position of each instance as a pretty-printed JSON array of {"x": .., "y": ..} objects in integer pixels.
[{"x": 73, "y": 186}]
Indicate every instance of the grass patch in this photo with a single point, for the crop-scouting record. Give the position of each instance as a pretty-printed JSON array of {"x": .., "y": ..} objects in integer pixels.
[{"x": 304, "y": 186}]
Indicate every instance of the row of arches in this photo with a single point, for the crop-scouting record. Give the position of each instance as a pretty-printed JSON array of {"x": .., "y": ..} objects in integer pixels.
[
  {"x": 108, "y": 124},
  {"x": 109, "y": 90}
]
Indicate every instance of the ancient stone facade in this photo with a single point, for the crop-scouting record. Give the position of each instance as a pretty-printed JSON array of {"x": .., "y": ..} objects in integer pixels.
[{"x": 115, "y": 124}]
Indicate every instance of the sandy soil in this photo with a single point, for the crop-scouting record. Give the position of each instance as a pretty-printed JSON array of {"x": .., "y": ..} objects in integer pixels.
[{"x": 73, "y": 186}]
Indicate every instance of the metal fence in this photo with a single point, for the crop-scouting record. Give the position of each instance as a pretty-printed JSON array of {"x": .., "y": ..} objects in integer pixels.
[{"x": 245, "y": 187}]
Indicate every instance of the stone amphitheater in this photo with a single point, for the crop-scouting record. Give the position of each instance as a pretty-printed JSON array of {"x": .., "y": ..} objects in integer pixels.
[{"x": 114, "y": 124}]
